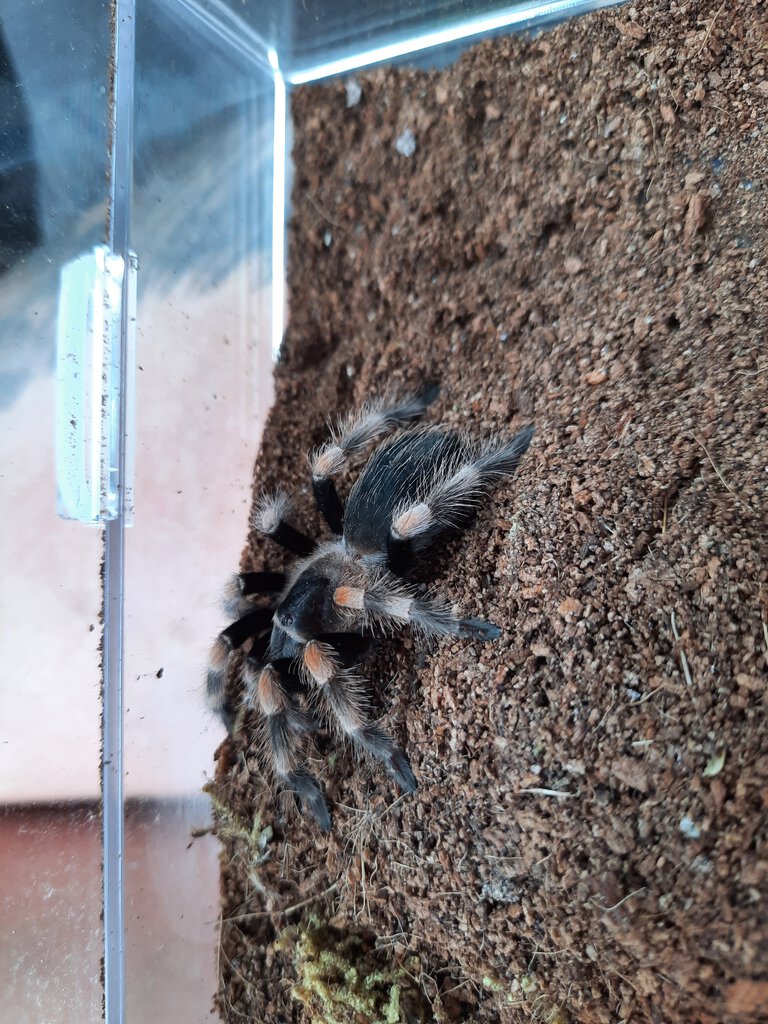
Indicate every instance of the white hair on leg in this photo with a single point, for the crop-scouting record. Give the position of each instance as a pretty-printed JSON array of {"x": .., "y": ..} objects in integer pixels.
[
  {"x": 270, "y": 511},
  {"x": 355, "y": 432},
  {"x": 452, "y": 499}
]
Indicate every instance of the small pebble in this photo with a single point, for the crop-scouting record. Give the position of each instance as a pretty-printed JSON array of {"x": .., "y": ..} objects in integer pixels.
[
  {"x": 689, "y": 828},
  {"x": 406, "y": 143},
  {"x": 354, "y": 92}
]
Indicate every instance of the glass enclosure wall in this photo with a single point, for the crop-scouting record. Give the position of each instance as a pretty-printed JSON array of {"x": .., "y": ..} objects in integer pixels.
[
  {"x": 54, "y": 160},
  {"x": 317, "y": 38},
  {"x": 201, "y": 226}
]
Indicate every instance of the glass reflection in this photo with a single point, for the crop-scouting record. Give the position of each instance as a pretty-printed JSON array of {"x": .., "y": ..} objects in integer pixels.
[
  {"x": 20, "y": 228},
  {"x": 317, "y": 38}
]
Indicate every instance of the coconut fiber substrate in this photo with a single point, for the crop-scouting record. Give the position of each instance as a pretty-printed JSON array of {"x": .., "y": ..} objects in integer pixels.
[{"x": 569, "y": 231}]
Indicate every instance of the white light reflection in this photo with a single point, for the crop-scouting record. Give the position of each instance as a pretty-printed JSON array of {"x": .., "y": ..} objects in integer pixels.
[{"x": 507, "y": 18}]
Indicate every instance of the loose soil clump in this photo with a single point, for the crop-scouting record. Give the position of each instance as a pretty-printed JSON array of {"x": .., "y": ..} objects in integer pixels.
[{"x": 571, "y": 231}]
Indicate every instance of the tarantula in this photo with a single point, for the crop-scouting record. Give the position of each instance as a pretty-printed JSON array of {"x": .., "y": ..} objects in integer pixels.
[{"x": 322, "y": 616}]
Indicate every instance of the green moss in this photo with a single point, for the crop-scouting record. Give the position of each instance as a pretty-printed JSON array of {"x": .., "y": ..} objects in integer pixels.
[
  {"x": 249, "y": 841},
  {"x": 343, "y": 979},
  {"x": 252, "y": 835}
]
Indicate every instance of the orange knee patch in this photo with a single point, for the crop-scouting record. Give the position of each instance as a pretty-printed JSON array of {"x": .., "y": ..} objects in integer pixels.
[
  {"x": 271, "y": 696},
  {"x": 320, "y": 661},
  {"x": 349, "y": 597},
  {"x": 220, "y": 652},
  {"x": 413, "y": 521}
]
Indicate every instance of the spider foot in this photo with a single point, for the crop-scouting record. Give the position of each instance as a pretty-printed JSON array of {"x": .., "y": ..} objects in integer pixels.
[
  {"x": 478, "y": 628},
  {"x": 311, "y": 797},
  {"x": 377, "y": 743}
]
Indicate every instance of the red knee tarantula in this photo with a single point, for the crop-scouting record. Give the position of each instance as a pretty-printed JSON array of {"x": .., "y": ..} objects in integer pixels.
[{"x": 323, "y": 614}]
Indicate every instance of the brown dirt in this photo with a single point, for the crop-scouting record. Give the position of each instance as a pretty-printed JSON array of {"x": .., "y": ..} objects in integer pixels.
[{"x": 578, "y": 241}]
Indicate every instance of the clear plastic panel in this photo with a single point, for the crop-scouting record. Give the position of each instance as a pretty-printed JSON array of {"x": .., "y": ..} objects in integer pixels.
[
  {"x": 54, "y": 119},
  {"x": 201, "y": 227}
]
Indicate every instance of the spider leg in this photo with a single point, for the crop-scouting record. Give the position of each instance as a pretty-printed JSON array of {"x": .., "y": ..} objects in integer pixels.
[
  {"x": 293, "y": 682},
  {"x": 346, "y": 700},
  {"x": 453, "y": 500},
  {"x": 351, "y": 437},
  {"x": 244, "y": 587},
  {"x": 215, "y": 682},
  {"x": 389, "y": 602},
  {"x": 350, "y": 648},
  {"x": 252, "y": 625},
  {"x": 286, "y": 726},
  {"x": 329, "y": 503},
  {"x": 269, "y": 518}
]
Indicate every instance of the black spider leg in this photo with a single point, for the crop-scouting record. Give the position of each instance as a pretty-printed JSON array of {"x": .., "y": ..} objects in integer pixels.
[
  {"x": 261, "y": 582},
  {"x": 401, "y": 555},
  {"x": 352, "y": 436},
  {"x": 257, "y": 656},
  {"x": 452, "y": 502},
  {"x": 244, "y": 588},
  {"x": 350, "y": 648},
  {"x": 287, "y": 669},
  {"x": 390, "y": 602},
  {"x": 251, "y": 625},
  {"x": 329, "y": 503},
  {"x": 328, "y": 661},
  {"x": 292, "y": 540},
  {"x": 273, "y": 682},
  {"x": 269, "y": 517},
  {"x": 286, "y": 726},
  {"x": 290, "y": 677}
]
